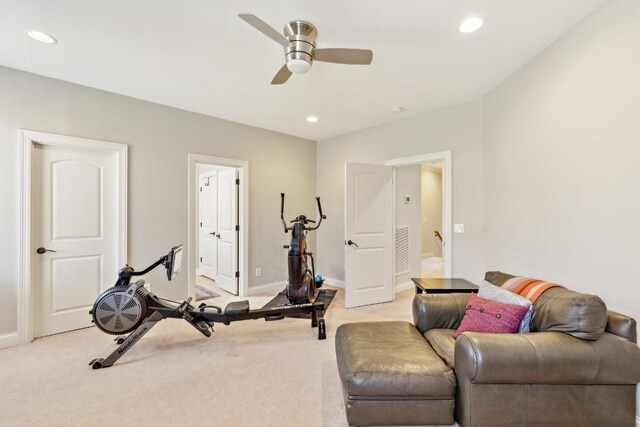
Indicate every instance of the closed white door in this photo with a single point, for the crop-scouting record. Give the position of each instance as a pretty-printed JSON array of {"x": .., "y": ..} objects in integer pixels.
[
  {"x": 368, "y": 234},
  {"x": 227, "y": 230},
  {"x": 75, "y": 219},
  {"x": 208, "y": 240}
]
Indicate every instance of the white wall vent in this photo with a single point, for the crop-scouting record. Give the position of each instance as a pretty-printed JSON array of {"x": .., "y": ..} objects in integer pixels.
[{"x": 401, "y": 243}]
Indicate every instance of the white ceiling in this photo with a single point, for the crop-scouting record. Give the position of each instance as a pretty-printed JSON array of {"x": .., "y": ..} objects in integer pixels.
[{"x": 199, "y": 56}]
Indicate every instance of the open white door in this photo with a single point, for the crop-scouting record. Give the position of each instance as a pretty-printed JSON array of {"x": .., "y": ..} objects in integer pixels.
[
  {"x": 228, "y": 230},
  {"x": 75, "y": 229},
  {"x": 368, "y": 234},
  {"x": 208, "y": 240}
]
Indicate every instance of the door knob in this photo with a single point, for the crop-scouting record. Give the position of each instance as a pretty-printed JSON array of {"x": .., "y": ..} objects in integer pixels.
[
  {"x": 351, "y": 242},
  {"x": 42, "y": 250},
  {"x": 212, "y": 234}
]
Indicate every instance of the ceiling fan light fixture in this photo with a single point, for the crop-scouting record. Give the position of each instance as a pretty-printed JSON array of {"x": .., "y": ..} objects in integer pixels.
[
  {"x": 312, "y": 119},
  {"x": 42, "y": 37},
  {"x": 471, "y": 24},
  {"x": 298, "y": 66}
]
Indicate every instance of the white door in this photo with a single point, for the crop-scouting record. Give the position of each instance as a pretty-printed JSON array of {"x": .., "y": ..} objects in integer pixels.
[
  {"x": 227, "y": 230},
  {"x": 368, "y": 226},
  {"x": 75, "y": 219},
  {"x": 208, "y": 240}
]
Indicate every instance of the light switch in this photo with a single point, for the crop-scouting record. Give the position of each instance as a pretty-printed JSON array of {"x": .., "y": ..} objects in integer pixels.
[
  {"x": 458, "y": 228},
  {"x": 407, "y": 199}
]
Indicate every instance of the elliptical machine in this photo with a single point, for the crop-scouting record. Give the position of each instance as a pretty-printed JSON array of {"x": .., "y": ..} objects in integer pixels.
[{"x": 301, "y": 286}]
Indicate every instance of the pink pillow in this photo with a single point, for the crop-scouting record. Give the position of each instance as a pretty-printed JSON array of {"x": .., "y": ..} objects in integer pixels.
[{"x": 483, "y": 315}]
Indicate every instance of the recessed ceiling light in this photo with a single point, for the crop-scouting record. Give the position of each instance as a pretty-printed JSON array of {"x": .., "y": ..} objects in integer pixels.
[
  {"x": 398, "y": 110},
  {"x": 312, "y": 119},
  {"x": 471, "y": 24},
  {"x": 41, "y": 37}
]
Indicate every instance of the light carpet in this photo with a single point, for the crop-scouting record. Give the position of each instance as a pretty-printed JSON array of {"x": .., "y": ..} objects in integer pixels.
[{"x": 251, "y": 373}]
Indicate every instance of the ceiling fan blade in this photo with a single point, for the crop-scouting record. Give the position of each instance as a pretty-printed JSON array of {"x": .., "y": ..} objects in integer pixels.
[
  {"x": 344, "y": 56},
  {"x": 264, "y": 28},
  {"x": 281, "y": 76}
]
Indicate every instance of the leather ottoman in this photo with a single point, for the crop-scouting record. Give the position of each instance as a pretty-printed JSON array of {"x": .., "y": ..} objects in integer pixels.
[{"x": 391, "y": 376}]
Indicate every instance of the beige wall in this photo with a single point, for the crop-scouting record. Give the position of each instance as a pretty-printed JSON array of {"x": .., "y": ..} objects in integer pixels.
[
  {"x": 562, "y": 161},
  {"x": 159, "y": 139},
  {"x": 458, "y": 128},
  {"x": 407, "y": 183},
  {"x": 431, "y": 207}
]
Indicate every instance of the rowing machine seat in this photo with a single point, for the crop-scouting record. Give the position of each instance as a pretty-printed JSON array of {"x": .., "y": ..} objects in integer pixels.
[{"x": 237, "y": 307}]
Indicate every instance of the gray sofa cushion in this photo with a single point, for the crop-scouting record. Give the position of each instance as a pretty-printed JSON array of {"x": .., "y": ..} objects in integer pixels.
[{"x": 443, "y": 343}]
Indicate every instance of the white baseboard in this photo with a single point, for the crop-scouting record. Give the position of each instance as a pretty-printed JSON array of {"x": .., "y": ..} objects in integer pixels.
[
  {"x": 8, "y": 340},
  {"x": 267, "y": 289},
  {"x": 404, "y": 286},
  {"x": 336, "y": 283}
]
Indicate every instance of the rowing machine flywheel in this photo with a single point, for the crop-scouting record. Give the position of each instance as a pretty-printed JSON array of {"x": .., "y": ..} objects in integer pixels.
[{"x": 116, "y": 313}]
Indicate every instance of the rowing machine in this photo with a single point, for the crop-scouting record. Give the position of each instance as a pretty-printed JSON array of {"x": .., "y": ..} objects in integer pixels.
[{"x": 129, "y": 308}]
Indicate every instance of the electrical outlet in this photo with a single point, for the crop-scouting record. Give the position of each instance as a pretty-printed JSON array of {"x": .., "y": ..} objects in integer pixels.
[{"x": 258, "y": 272}]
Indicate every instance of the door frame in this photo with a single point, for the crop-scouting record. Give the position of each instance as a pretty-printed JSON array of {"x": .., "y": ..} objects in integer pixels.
[
  {"x": 447, "y": 173},
  {"x": 243, "y": 218},
  {"x": 27, "y": 140}
]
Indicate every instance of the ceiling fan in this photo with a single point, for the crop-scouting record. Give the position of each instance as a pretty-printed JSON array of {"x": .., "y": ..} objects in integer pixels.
[{"x": 299, "y": 42}]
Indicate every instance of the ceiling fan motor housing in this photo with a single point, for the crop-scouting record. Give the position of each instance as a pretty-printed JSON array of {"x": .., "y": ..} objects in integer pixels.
[{"x": 302, "y": 42}]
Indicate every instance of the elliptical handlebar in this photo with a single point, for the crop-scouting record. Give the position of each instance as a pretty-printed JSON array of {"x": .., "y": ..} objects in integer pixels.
[
  {"x": 284, "y": 223},
  {"x": 321, "y": 215}
]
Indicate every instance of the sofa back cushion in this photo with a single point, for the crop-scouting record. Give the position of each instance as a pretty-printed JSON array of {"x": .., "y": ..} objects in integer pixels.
[{"x": 562, "y": 310}]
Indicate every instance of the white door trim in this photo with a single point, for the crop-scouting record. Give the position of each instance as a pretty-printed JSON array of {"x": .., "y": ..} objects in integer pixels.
[
  {"x": 447, "y": 229},
  {"x": 27, "y": 139},
  {"x": 243, "y": 214}
]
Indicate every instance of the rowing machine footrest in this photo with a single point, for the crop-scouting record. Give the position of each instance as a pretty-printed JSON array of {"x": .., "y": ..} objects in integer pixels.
[{"x": 237, "y": 307}]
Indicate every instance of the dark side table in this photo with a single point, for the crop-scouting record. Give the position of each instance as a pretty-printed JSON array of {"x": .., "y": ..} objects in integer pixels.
[{"x": 443, "y": 286}]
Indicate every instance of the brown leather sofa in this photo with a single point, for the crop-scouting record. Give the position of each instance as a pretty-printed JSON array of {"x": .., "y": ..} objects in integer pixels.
[{"x": 578, "y": 367}]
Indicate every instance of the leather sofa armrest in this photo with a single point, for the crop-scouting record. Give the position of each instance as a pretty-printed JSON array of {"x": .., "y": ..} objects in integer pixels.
[
  {"x": 438, "y": 311},
  {"x": 545, "y": 358},
  {"x": 621, "y": 325}
]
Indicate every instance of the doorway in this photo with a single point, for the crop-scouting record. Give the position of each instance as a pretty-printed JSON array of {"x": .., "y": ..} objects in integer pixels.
[
  {"x": 218, "y": 227},
  {"x": 433, "y": 194},
  {"x": 383, "y": 227},
  {"x": 217, "y": 257},
  {"x": 431, "y": 209},
  {"x": 73, "y": 230}
]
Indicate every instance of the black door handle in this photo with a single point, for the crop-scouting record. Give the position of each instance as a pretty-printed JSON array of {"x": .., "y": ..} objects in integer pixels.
[
  {"x": 212, "y": 234},
  {"x": 42, "y": 250},
  {"x": 351, "y": 242}
]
